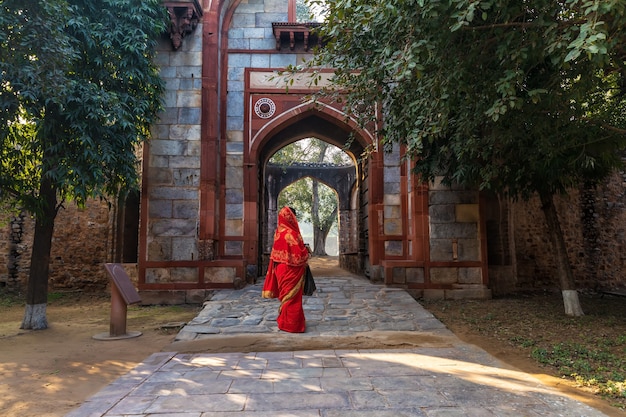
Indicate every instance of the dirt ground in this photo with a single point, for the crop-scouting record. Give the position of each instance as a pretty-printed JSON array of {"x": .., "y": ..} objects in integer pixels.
[{"x": 50, "y": 372}]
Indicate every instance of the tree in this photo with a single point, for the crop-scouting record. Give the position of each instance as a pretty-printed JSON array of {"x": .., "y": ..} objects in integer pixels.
[
  {"x": 520, "y": 98},
  {"x": 76, "y": 137}
]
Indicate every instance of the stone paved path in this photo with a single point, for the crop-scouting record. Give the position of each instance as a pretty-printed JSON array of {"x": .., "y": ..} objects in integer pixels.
[{"x": 438, "y": 376}]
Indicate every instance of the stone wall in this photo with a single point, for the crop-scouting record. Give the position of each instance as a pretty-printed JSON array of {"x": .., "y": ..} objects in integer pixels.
[
  {"x": 593, "y": 220},
  {"x": 81, "y": 244}
]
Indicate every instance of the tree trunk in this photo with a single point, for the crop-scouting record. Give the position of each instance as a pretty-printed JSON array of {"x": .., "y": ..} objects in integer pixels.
[
  {"x": 564, "y": 270},
  {"x": 319, "y": 239},
  {"x": 37, "y": 292}
]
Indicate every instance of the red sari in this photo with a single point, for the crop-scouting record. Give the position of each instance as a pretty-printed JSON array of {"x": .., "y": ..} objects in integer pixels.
[{"x": 285, "y": 273}]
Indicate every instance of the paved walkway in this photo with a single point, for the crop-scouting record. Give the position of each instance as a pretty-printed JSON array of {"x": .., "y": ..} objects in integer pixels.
[{"x": 336, "y": 369}]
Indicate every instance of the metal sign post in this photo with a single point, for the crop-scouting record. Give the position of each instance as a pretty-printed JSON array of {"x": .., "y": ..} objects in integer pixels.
[{"x": 123, "y": 293}]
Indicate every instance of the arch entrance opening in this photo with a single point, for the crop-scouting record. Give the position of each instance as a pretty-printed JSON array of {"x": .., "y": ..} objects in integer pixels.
[{"x": 344, "y": 177}]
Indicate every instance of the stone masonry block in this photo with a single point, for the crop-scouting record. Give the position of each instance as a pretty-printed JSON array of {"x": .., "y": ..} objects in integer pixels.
[
  {"x": 393, "y": 247},
  {"x": 172, "y": 227},
  {"x": 159, "y": 249},
  {"x": 470, "y": 276},
  {"x": 235, "y": 33},
  {"x": 157, "y": 275},
  {"x": 192, "y": 42},
  {"x": 159, "y": 161},
  {"x": 234, "y": 148},
  {"x": 234, "y": 177},
  {"x": 185, "y": 161},
  {"x": 233, "y": 227},
  {"x": 391, "y": 187},
  {"x": 234, "y": 122},
  {"x": 254, "y": 33},
  {"x": 398, "y": 275},
  {"x": 234, "y": 196},
  {"x": 190, "y": 84},
  {"x": 468, "y": 250},
  {"x": 158, "y": 131},
  {"x": 189, "y": 72},
  {"x": 415, "y": 275},
  {"x": 453, "y": 230},
  {"x": 166, "y": 147},
  {"x": 238, "y": 43},
  {"x": 392, "y": 212},
  {"x": 438, "y": 185},
  {"x": 219, "y": 274},
  {"x": 283, "y": 60},
  {"x": 391, "y": 199},
  {"x": 275, "y": 6},
  {"x": 393, "y": 227},
  {"x": 449, "y": 197},
  {"x": 193, "y": 148},
  {"x": 234, "y": 211},
  {"x": 236, "y": 73},
  {"x": 185, "y": 209},
  {"x": 186, "y": 98},
  {"x": 234, "y": 160},
  {"x": 442, "y": 213},
  {"x": 260, "y": 61},
  {"x": 266, "y": 19},
  {"x": 184, "y": 274},
  {"x": 234, "y": 136},
  {"x": 184, "y": 248},
  {"x": 186, "y": 177},
  {"x": 186, "y": 59},
  {"x": 467, "y": 213},
  {"x": 189, "y": 116},
  {"x": 173, "y": 193},
  {"x": 391, "y": 174},
  {"x": 234, "y": 104},
  {"x": 444, "y": 275},
  {"x": 160, "y": 176},
  {"x": 249, "y": 8},
  {"x": 160, "y": 209},
  {"x": 262, "y": 44},
  {"x": 233, "y": 248},
  {"x": 441, "y": 250},
  {"x": 238, "y": 61}
]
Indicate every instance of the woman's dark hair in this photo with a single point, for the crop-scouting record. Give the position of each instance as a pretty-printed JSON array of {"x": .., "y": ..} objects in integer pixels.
[{"x": 293, "y": 210}]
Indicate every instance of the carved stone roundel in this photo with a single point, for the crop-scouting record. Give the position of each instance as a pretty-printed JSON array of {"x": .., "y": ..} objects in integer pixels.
[{"x": 264, "y": 108}]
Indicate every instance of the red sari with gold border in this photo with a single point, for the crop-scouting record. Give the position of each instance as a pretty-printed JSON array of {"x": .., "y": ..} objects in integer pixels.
[{"x": 285, "y": 273}]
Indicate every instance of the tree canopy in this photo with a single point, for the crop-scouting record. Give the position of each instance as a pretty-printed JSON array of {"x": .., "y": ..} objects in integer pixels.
[
  {"x": 519, "y": 97},
  {"x": 79, "y": 91}
]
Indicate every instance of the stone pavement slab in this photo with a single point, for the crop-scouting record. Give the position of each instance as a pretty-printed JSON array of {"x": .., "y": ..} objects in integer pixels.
[{"x": 440, "y": 377}]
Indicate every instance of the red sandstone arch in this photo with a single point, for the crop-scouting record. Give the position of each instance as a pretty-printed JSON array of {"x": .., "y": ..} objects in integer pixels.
[{"x": 302, "y": 120}]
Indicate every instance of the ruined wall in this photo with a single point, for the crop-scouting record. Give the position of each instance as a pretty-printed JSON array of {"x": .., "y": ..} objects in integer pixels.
[
  {"x": 593, "y": 220},
  {"x": 81, "y": 243}
]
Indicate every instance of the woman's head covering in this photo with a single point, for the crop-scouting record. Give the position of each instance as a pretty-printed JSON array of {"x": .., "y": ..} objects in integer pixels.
[{"x": 288, "y": 244}]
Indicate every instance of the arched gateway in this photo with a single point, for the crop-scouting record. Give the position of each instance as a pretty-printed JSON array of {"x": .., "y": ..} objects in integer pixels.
[{"x": 206, "y": 203}]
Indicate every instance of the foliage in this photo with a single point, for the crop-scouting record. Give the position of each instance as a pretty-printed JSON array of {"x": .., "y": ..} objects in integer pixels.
[
  {"x": 80, "y": 91},
  {"x": 511, "y": 96}
]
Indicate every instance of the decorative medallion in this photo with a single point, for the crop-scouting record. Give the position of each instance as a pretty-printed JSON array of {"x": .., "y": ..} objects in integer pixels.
[{"x": 264, "y": 108}]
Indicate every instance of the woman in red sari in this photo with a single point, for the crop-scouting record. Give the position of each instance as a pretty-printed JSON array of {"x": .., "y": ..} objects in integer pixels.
[{"x": 285, "y": 273}]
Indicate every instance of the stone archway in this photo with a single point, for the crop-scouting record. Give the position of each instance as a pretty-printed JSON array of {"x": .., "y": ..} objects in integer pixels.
[
  {"x": 328, "y": 125},
  {"x": 342, "y": 179}
]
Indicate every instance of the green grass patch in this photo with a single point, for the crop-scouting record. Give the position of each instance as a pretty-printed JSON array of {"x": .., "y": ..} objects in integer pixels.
[{"x": 599, "y": 366}]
